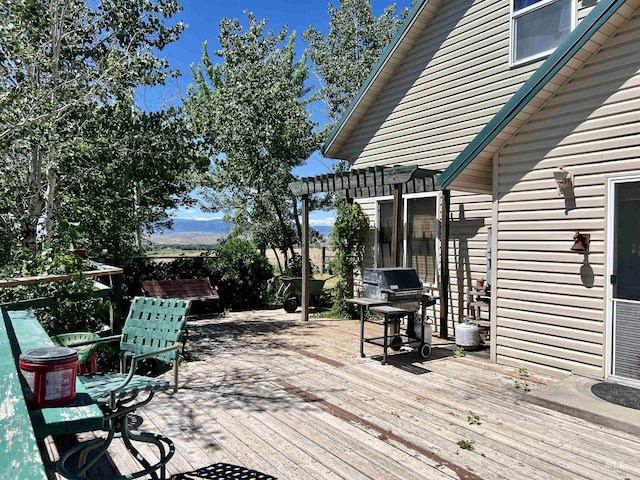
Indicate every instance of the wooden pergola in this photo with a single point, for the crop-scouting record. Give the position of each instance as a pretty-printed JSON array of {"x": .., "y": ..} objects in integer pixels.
[{"x": 376, "y": 182}]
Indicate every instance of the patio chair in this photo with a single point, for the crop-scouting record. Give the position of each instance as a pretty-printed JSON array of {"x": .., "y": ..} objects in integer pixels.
[
  {"x": 152, "y": 329},
  {"x": 83, "y": 343}
]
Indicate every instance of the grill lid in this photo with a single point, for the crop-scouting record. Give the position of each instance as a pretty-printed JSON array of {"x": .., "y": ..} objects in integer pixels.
[{"x": 392, "y": 279}]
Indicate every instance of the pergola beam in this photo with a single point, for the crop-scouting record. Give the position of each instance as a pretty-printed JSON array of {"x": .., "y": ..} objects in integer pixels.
[{"x": 369, "y": 182}]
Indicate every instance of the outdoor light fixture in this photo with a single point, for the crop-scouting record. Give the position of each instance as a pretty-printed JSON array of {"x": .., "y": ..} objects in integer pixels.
[
  {"x": 564, "y": 181},
  {"x": 580, "y": 242}
]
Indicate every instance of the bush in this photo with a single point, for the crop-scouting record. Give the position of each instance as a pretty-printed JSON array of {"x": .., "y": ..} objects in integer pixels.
[{"x": 241, "y": 274}]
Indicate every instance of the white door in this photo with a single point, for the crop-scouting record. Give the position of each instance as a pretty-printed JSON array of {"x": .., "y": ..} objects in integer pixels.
[{"x": 624, "y": 279}]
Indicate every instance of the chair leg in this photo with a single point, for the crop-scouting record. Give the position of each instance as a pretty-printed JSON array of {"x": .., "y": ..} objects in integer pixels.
[
  {"x": 166, "y": 450},
  {"x": 83, "y": 449}
]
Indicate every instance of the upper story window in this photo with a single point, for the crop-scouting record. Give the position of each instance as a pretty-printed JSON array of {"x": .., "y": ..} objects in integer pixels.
[{"x": 538, "y": 27}]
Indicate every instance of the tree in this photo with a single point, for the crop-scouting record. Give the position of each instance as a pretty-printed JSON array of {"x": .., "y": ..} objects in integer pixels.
[
  {"x": 251, "y": 113},
  {"x": 61, "y": 63},
  {"x": 139, "y": 166},
  {"x": 344, "y": 57}
]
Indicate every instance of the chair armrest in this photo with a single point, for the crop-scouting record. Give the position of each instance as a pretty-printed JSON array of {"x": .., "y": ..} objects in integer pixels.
[{"x": 133, "y": 367}]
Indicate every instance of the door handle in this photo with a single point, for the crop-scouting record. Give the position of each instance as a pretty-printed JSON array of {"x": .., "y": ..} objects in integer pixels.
[{"x": 613, "y": 279}]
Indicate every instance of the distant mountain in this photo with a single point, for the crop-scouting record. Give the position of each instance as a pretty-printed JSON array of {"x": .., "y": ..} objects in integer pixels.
[
  {"x": 184, "y": 225},
  {"x": 214, "y": 226}
]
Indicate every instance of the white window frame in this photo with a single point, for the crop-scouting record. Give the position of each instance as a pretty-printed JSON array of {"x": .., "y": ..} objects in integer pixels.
[
  {"x": 514, "y": 15},
  {"x": 405, "y": 214}
]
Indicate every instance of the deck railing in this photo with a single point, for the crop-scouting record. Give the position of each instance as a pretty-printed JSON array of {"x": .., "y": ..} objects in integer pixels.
[{"x": 112, "y": 290}]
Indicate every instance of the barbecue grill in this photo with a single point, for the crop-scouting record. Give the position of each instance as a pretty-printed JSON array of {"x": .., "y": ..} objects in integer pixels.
[{"x": 400, "y": 288}]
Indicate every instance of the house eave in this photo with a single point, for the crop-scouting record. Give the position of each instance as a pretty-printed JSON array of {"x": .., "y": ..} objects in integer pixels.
[
  {"x": 522, "y": 105},
  {"x": 401, "y": 43}
]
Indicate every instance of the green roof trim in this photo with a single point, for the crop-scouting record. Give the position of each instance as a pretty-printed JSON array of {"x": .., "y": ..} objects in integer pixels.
[
  {"x": 406, "y": 25},
  {"x": 600, "y": 14}
]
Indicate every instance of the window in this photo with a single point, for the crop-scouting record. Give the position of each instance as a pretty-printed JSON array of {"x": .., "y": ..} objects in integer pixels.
[
  {"x": 421, "y": 227},
  {"x": 385, "y": 231},
  {"x": 538, "y": 27}
]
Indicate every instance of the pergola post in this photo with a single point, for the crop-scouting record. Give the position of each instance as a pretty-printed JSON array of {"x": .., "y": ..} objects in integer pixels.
[
  {"x": 398, "y": 224},
  {"x": 305, "y": 258},
  {"x": 444, "y": 267}
]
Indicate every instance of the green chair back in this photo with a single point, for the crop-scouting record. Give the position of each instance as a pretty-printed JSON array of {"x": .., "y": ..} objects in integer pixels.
[{"x": 153, "y": 324}]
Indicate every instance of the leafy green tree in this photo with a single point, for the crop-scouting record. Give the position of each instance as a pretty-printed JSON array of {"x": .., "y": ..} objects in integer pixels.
[
  {"x": 251, "y": 112},
  {"x": 343, "y": 58},
  {"x": 61, "y": 63},
  {"x": 139, "y": 166}
]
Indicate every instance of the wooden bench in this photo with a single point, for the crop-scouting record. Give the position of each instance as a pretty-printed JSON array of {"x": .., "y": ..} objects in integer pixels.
[
  {"x": 198, "y": 289},
  {"x": 23, "y": 429}
]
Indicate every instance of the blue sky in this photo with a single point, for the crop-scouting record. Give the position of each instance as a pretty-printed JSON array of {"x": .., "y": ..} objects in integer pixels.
[{"x": 203, "y": 18}]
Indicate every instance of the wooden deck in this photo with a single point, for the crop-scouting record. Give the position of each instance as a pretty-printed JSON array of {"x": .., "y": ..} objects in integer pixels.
[{"x": 266, "y": 396}]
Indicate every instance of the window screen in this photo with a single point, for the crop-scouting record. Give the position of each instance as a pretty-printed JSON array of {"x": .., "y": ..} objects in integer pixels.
[
  {"x": 422, "y": 231},
  {"x": 385, "y": 231}
]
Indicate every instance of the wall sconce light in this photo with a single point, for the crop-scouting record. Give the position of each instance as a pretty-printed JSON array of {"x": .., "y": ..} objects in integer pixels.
[
  {"x": 580, "y": 242},
  {"x": 564, "y": 181}
]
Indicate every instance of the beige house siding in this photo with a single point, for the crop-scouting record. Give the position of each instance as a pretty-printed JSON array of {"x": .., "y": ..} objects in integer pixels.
[
  {"x": 450, "y": 84},
  {"x": 469, "y": 219},
  {"x": 456, "y": 77},
  {"x": 551, "y": 311}
]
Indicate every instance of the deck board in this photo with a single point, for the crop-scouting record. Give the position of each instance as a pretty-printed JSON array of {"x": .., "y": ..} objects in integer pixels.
[{"x": 265, "y": 393}]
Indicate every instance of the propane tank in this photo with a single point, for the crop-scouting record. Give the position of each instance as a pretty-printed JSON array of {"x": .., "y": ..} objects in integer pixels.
[{"x": 468, "y": 334}]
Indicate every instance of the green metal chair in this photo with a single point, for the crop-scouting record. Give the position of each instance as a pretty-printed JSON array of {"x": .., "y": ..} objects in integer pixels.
[
  {"x": 83, "y": 343},
  {"x": 153, "y": 329}
]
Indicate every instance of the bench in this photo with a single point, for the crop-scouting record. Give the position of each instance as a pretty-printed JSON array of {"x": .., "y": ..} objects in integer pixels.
[
  {"x": 23, "y": 429},
  {"x": 198, "y": 289}
]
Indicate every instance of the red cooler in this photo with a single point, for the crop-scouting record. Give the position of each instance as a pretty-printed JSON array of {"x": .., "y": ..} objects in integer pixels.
[{"x": 50, "y": 373}]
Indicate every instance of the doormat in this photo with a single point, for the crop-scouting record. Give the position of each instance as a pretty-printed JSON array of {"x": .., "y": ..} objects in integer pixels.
[{"x": 618, "y": 394}]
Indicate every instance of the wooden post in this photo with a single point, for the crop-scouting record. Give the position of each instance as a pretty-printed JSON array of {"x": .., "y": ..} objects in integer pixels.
[
  {"x": 398, "y": 224},
  {"x": 444, "y": 264},
  {"x": 305, "y": 258},
  {"x": 115, "y": 282}
]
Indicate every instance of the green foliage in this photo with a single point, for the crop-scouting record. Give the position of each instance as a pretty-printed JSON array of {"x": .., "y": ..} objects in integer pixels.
[
  {"x": 348, "y": 238},
  {"x": 523, "y": 385},
  {"x": 74, "y": 309},
  {"x": 473, "y": 418},
  {"x": 344, "y": 57},
  {"x": 72, "y": 142},
  {"x": 148, "y": 166},
  {"x": 237, "y": 269},
  {"x": 466, "y": 445},
  {"x": 251, "y": 112},
  {"x": 459, "y": 352},
  {"x": 241, "y": 274}
]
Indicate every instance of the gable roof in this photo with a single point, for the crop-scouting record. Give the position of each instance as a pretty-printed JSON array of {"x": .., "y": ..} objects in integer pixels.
[
  {"x": 570, "y": 55},
  {"x": 383, "y": 70}
]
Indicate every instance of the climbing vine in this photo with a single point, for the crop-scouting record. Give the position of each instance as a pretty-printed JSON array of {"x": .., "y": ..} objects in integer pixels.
[{"x": 348, "y": 237}]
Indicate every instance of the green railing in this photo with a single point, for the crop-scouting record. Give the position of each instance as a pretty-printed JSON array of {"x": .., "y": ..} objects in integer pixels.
[{"x": 111, "y": 290}]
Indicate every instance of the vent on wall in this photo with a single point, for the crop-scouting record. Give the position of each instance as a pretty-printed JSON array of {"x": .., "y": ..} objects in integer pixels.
[{"x": 626, "y": 351}]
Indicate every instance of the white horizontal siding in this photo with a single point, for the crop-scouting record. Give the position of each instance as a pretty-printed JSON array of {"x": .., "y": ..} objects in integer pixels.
[{"x": 550, "y": 301}]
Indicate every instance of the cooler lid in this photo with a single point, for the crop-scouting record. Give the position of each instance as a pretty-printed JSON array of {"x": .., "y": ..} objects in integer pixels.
[{"x": 49, "y": 355}]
